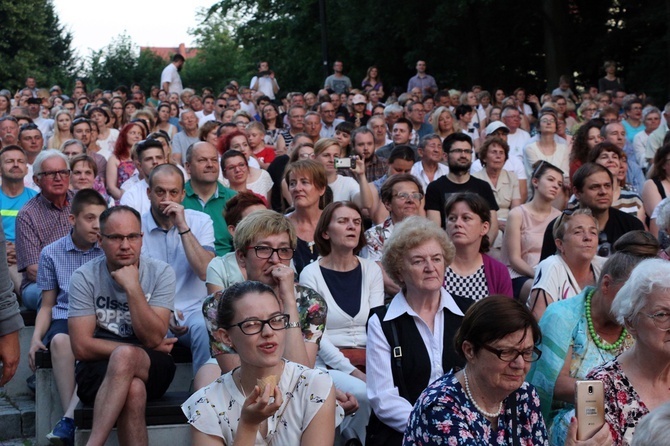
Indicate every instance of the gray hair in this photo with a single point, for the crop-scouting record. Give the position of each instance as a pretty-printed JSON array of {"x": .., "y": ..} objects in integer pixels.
[
  {"x": 374, "y": 118},
  {"x": 663, "y": 215},
  {"x": 429, "y": 137},
  {"x": 649, "y": 277},
  {"x": 651, "y": 430},
  {"x": 73, "y": 142},
  {"x": 393, "y": 108},
  {"x": 45, "y": 155},
  {"x": 649, "y": 109}
]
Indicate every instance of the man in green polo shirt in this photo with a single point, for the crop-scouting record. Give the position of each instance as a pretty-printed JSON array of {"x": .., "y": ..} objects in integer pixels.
[{"x": 204, "y": 192}]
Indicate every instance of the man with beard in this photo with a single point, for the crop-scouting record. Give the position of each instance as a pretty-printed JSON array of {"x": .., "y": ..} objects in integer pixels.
[
  {"x": 363, "y": 141},
  {"x": 458, "y": 148},
  {"x": 170, "y": 79}
]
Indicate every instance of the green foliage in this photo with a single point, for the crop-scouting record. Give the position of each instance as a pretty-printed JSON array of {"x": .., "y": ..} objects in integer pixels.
[
  {"x": 33, "y": 43},
  {"x": 121, "y": 63}
]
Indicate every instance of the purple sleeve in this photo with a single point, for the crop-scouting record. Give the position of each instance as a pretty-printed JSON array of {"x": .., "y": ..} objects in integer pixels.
[{"x": 497, "y": 277}]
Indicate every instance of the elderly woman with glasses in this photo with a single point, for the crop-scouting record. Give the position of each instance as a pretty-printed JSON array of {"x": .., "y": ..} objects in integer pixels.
[
  {"x": 637, "y": 381},
  {"x": 546, "y": 148},
  {"x": 489, "y": 401}
]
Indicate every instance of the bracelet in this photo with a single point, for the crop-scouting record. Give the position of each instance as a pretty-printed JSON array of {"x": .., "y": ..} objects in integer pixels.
[
  {"x": 293, "y": 325},
  {"x": 185, "y": 232}
]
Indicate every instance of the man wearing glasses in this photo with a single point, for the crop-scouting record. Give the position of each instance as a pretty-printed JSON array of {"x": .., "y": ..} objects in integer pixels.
[
  {"x": 183, "y": 238},
  {"x": 120, "y": 305},
  {"x": 43, "y": 220},
  {"x": 458, "y": 148}
]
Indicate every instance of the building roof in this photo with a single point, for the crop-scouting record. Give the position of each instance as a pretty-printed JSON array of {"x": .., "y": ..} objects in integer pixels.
[{"x": 167, "y": 52}]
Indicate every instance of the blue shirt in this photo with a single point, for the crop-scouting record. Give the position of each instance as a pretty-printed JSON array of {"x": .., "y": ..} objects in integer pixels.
[
  {"x": 9, "y": 209},
  {"x": 58, "y": 261},
  {"x": 167, "y": 246}
]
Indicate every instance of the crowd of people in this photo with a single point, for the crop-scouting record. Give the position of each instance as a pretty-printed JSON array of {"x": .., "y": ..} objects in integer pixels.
[{"x": 454, "y": 260}]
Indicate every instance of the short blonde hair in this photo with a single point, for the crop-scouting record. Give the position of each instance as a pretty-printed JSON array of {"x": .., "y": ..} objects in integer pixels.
[
  {"x": 408, "y": 234},
  {"x": 262, "y": 223}
]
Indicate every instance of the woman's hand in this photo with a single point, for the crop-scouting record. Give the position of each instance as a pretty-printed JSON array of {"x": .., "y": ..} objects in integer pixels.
[
  {"x": 601, "y": 438},
  {"x": 284, "y": 278},
  {"x": 258, "y": 407}
]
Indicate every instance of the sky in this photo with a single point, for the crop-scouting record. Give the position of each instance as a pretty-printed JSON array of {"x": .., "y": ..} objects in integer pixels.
[{"x": 148, "y": 22}]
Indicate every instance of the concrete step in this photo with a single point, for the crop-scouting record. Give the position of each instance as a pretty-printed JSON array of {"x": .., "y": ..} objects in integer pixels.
[{"x": 17, "y": 417}]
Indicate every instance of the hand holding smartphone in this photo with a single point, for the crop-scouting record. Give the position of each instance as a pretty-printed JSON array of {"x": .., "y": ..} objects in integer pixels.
[{"x": 589, "y": 408}]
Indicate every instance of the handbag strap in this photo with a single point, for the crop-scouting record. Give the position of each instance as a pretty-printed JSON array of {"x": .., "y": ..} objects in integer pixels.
[{"x": 515, "y": 435}]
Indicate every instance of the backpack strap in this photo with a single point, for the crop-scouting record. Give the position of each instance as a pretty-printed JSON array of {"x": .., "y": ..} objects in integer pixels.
[{"x": 390, "y": 330}]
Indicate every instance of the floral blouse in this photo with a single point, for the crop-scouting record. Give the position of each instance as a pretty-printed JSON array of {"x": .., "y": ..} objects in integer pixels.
[
  {"x": 623, "y": 407},
  {"x": 444, "y": 415},
  {"x": 311, "y": 308}
]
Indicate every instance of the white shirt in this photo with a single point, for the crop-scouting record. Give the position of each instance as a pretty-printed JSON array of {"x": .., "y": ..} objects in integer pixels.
[
  {"x": 167, "y": 246},
  {"x": 420, "y": 174},
  {"x": 202, "y": 117},
  {"x": 171, "y": 74},
  {"x": 517, "y": 141},
  {"x": 513, "y": 164},
  {"x": 136, "y": 197},
  {"x": 344, "y": 188},
  {"x": 265, "y": 85},
  {"x": 392, "y": 409}
]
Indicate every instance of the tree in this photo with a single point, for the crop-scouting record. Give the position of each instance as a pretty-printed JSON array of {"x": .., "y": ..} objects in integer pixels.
[{"x": 33, "y": 43}]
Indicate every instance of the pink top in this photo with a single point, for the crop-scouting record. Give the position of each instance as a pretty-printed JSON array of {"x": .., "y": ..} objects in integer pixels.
[{"x": 532, "y": 235}]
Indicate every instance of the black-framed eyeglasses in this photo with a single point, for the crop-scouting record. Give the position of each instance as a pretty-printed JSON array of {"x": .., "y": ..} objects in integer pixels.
[
  {"x": 661, "y": 320},
  {"x": 119, "y": 238},
  {"x": 255, "y": 326},
  {"x": 461, "y": 151},
  {"x": 52, "y": 174},
  {"x": 510, "y": 354},
  {"x": 265, "y": 252}
]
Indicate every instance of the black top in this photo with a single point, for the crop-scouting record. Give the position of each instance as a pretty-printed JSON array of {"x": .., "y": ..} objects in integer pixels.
[
  {"x": 439, "y": 191},
  {"x": 345, "y": 287},
  {"x": 276, "y": 171},
  {"x": 617, "y": 225},
  {"x": 305, "y": 253}
]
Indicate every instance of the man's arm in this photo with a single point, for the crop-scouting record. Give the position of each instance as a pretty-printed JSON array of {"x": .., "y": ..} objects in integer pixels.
[
  {"x": 10, "y": 319},
  {"x": 27, "y": 246},
  {"x": 434, "y": 216},
  {"x": 84, "y": 346},
  {"x": 198, "y": 257},
  {"x": 150, "y": 323}
]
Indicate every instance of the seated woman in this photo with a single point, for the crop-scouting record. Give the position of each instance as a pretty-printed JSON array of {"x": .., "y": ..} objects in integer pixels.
[
  {"x": 235, "y": 170},
  {"x": 351, "y": 286},
  {"x": 472, "y": 275},
  {"x": 580, "y": 333},
  {"x": 575, "y": 265},
  {"x": 522, "y": 241},
  {"x": 488, "y": 402},
  {"x": 657, "y": 187},
  {"x": 409, "y": 342},
  {"x": 267, "y": 398},
  {"x": 504, "y": 184},
  {"x": 637, "y": 381}
]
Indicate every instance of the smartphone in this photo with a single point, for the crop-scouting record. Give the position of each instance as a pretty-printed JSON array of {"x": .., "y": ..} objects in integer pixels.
[
  {"x": 589, "y": 408},
  {"x": 341, "y": 163}
]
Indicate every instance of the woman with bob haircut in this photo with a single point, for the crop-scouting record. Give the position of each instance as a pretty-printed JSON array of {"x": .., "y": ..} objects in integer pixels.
[
  {"x": 473, "y": 274},
  {"x": 489, "y": 401},
  {"x": 424, "y": 318}
]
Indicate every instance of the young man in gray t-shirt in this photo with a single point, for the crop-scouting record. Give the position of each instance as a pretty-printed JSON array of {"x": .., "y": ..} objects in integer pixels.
[{"x": 120, "y": 306}]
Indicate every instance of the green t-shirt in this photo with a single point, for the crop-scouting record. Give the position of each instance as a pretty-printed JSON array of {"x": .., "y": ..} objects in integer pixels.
[{"x": 223, "y": 241}]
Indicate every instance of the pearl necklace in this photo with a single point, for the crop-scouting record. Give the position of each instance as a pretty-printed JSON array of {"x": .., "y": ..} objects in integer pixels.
[
  {"x": 472, "y": 399},
  {"x": 592, "y": 331}
]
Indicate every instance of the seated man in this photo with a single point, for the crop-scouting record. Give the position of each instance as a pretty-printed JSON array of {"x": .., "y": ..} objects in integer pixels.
[
  {"x": 57, "y": 263},
  {"x": 120, "y": 307},
  {"x": 148, "y": 154}
]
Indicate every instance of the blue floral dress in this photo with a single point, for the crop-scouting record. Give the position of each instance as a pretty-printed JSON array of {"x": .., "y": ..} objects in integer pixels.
[{"x": 443, "y": 415}]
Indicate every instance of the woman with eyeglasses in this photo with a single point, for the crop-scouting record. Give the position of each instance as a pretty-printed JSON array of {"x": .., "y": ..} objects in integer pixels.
[
  {"x": 163, "y": 120},
  {"x": 581, "y": 333},
  {"x": 473, "y": 274},
  {"x": 117, "y": 113},
  {"x": 526, "y": 224},
  {"x": 546, "y": 148},
  {"x": 258, "y": 180},
  {"x": 637, "y": 381},
  {"x": 585, "y": 113},
  {"x": 489, "y": 401},
  {"x": 120, "y": 166},
  {"x": 267, "y": 399},
  {"x": 235, "y": 170}
]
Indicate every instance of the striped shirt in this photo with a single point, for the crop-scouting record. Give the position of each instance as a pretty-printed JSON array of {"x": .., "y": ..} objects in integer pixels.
[{"x": 58, "y": 261}]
